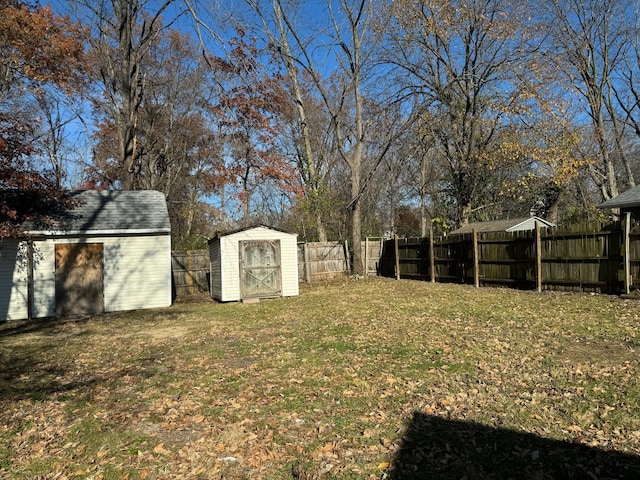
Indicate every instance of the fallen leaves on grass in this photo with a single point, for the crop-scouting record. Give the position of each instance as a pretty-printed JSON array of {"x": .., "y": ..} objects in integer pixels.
[{"x": 329, "y": 382}]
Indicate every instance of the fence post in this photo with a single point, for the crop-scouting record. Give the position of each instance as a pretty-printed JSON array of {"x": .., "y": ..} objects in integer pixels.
[
  {"x": 627, "y": 253},
  {"x": 396, "y": 255},
  {"x": 189, "y": 275},
  {"x": 307, "y": 274},
  {"x": 476, "y": 260},
  {"x": 538, "y": 251},
  {"x": 432, "y": 255},
  {"x": 347, "y": 257},
  {"x": 366, "y": 256}
]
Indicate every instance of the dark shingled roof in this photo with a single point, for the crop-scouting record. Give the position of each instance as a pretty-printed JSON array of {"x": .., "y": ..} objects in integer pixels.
[
  {"x": 110, "y": 211},
  {"x": 495, "y": 225},
  {"x": 630, "y": 198}
]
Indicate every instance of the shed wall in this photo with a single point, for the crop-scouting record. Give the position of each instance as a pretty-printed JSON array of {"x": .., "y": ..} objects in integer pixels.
[
  {"x": 216, "y": 269},
  {"x": 529, "y": 224},
  {"x": 230, "y": 266},
  {"x": 13, "y": 280},
  {"x": 137, "y": 272}
]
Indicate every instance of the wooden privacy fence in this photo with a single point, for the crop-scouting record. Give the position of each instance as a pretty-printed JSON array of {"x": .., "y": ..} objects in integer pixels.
[
  {"x": 190, "y": 271},
  {"x": 316, "y": 262},
  {"x": 590, "y": 257},
  {"x": 322, "y": 261}
]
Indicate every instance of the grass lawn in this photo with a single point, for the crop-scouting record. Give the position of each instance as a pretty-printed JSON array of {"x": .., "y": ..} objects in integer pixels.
[{"x": 354, "y": 379}]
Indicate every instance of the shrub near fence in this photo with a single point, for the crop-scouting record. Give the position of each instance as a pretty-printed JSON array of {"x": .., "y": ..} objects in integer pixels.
[{"x": 589, "y": 257}]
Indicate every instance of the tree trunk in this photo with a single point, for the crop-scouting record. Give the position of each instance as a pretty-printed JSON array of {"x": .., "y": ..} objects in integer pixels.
[
  {"x": 322, "y": 232},
  {"x": 553, "y": 211},
  {"x": 464, "y": 212},
  {"x": 308, "y": 157},
  {"x": 423, "y": 197},
  {"x": 356, "y": 234},
  {"x": 356, "y": 212}
]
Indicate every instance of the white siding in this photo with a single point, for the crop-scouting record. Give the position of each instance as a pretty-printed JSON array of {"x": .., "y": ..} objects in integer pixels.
[
  {"x": 530, "y": 224},
  {"x": 215, "y": 269},
  {"x": 137, "y": 272},
  {"x": 44, "y": 279},
  {"x": 289, "y": 258},
  {"x": 230, "y": 268},
  {"x": 230, "y": 261},
  {"x": 13, "y": 280}
]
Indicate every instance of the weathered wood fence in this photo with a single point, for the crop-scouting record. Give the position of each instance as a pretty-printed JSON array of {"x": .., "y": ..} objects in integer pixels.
[
  {"x": 322, "y": 261},
  {"x": 316, "y": 262},
  {"x": 190, "y": 272},
  {"x": 593, "y": 257}
]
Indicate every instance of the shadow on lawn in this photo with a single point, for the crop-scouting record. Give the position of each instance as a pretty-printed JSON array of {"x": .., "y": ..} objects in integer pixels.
[
  {"x": 43, "y": 326},
  {"x": 26, "y": 372},
  {"x": 436, "y": 448}
]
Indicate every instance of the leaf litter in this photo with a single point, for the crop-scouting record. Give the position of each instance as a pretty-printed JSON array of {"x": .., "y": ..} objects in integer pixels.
[{"x": 323, "y": 385}]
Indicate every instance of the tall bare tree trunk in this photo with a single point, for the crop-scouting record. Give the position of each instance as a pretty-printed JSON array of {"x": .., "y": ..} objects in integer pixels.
[
  {"x": 424, "y": 220},
  {"x": 123, "y": 77}
]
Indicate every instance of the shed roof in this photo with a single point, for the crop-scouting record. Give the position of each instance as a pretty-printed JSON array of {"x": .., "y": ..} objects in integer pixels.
[
  {"x": 499, "y": 225},
  {"x": 252, "y": 227},
  {"x": 630, "y": 198},
  {"x": 111, "y": 211}
]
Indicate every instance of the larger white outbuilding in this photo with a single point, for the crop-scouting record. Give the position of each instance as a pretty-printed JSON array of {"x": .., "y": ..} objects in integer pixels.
[{"x": 111, "y": 252}]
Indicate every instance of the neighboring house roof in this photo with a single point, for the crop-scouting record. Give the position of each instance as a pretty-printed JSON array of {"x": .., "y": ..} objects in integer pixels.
[
  {"x": 111, "y": 211},
  {"x": 510, "y": 225},
  {"x": 252, "y": 227},
  {"x": 630, "y": 198}
]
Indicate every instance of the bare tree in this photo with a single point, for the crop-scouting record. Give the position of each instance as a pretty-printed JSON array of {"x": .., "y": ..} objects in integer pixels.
[
  {"x": 60, "y": 120},
  {"x": 627, "y": 88},
  {"x": 589, "y": 43},
  {"x": 123, "y": 33},
  {"x": 467, "y": 60},
  {"x": 276, "y": 25},
  {"x": 349, "y": 42}
]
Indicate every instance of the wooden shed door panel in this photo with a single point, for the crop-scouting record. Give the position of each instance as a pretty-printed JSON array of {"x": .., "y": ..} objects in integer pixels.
[
  {"x": 79, "y": 278},
  {"x": 260, "y": 274}
]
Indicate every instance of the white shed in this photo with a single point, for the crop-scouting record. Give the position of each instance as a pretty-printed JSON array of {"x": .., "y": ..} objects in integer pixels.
[
  {"x": 111, "y": 252},
  {"x": 255, "y": 262}
]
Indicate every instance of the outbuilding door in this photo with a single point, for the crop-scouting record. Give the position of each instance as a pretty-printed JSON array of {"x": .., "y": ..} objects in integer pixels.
[
  {"x": 79, "y": 278},
  {"x": 260, "y": 273}
]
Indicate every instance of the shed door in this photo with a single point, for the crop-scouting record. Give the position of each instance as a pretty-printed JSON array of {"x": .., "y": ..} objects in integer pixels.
[
  {"x": 79, "y": 278},
  {"x": 260, "y": 274}
]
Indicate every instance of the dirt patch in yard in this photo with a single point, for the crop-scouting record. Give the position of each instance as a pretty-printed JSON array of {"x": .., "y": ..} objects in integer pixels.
[
  {"x": 597, "y": 352},
  {"x": 161, "y": 333}
]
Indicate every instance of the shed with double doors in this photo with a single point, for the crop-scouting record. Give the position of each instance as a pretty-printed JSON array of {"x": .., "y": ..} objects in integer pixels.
[
  {"x": 253, "y": 263},
  {"x": 111, "y": 252}
]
